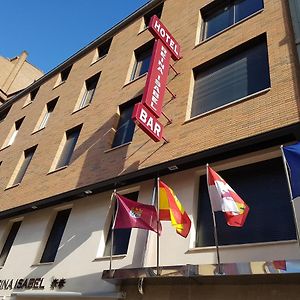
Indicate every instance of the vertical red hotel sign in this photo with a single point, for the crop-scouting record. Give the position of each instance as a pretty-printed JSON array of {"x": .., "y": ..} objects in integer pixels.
[
  {"x": 146, "y": 112},
  {"x": 157, "y": 79}
]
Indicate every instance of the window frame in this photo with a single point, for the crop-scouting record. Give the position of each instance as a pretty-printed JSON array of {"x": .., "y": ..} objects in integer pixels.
[
  {"x": 9, "y": 240},
  {"x": 106, "y": 250},
  {"x": 64, "y": 158},
  {"x": 49, "y": 254},
  {"x": 260, "y": 40},
  {"x": 141, "y": 54},
  {"x": 127, "y": 106},
  {"x": 88, "y": 92},
  {"x": 46, "y": 113},
  {"x": 239, "y": 165},
  {"x": 22, "y": 167},
  {"x": 11, "y": 137},
  {"x": 212, "y": 9}
]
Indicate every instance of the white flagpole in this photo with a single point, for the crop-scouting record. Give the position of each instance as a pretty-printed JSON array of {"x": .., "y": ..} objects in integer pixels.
[
  {"x": 290, "y": 192},
  {"x": 220, "y": 271},
  {"x": 157, "y": 234},
  {"x": 112, "y": 228},
  {"x": 147, "y": 231}
]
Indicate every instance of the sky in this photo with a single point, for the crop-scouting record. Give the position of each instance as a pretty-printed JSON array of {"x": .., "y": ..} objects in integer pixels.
[{"x": 53, "y": 30}]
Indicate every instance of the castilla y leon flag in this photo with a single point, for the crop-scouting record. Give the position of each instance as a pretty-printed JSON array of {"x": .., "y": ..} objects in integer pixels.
[
  {"x": 132, "y": 214},
  {"x": 224, "y": 198},
  {"x": 170, "y": 209}
]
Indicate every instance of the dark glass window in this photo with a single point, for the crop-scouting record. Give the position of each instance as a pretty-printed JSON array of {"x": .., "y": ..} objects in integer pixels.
[
  {"x": 263, "y": 186},
  {"x": 65, "y": 73},
  {"x": 28, "y": 154},
  {"x": 9, "y": 242},
  {"x": 49, "y": 109},
  {"x": 222, "y": 14},
  {"x": 90, "y": 87},
  {"x": 155, "y": 11},
  {"x": 125, "y": 129},
  {"x": 55, "y": 236},
  {"x": 14, "y": 132},
  {"x": 142, "y": 60},
  {"x": 68, "y": 149},
  {"x": 104, "y": 48},
  {"x": 232, "y": 76},
  {"x": 33, "y": 94},
  {"x": 4, "y": 113},
  {"x": 121, "y": 236}
]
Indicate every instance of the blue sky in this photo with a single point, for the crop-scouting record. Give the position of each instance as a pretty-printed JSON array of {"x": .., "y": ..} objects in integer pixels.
[{"x": 51, "y": 31}]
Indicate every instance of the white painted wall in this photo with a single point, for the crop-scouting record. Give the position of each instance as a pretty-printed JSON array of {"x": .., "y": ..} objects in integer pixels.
[{"x": 79, "y": 259}]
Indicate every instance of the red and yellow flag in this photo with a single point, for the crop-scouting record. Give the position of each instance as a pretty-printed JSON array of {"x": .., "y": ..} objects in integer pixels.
[{"x": 170, "y": 209}]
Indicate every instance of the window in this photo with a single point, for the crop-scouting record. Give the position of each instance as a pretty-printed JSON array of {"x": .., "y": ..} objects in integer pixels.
[
  {"x": 241, "y": 72},
  {"x": 31, "y": 96},
  {"x": 46, "y": 114},
  {"x": 55, "y": 236},
  {"x": 23, "y": 165},
  {"x": 155, "y": 11},
  {"x": 220, "y": 15},
  {"x": 9, "y": 242},
  {"x": 142, "y": 60},
  {"x": 65, "y": 73},
  {"x": 89, "y": 90},
  {"x": 121, "y": 236},
  {"x": 13, "y": 133},
  {"x": 263, "y": 187},
  {"x": 103, "y": 49},
  {"x": 71, "y": 137},
  {"x": 125, "y": 129},
  {"x": 4, "y": 113}
]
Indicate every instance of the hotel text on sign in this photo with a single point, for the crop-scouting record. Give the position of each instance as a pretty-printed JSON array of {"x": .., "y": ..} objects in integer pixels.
[
  {"x": 159, "y": 31},
  {"x": 147, "y": 122},
  {"x": 157, "y": 79}
]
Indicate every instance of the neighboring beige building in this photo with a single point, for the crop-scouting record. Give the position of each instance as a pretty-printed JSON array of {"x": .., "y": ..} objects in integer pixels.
[
  {"x": 15, "y": 75},
  {"x": 67, "y": 141}
]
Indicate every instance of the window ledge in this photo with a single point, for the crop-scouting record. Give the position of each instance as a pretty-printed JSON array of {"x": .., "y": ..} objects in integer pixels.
[
  {"x": 226, "y": 105},
  {"x": 228, "y": 28},
  {"x": 11, "y": 186},
  {"x": 38, "y": 130},
  {"x": 143, "y": 30},
  {"x": 5, "y": 147},
  {"x": 98, "y": 59},
  {"x": 135, "y": 79},
  {"x": 117, "y": 147},
  {"x": 79, "y": 109},
  {"x": 203, "y": 249},
  {"x": 57, "y": 170},
  {"x": 59, "y": 84},
  {"x": 114, "y": 257},
  {"x": 42, "y": 264},
  {"x": 26, "y": 104}
]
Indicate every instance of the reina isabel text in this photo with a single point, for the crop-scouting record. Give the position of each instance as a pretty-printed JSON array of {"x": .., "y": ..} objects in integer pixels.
[{"x": 22, "y": 283}]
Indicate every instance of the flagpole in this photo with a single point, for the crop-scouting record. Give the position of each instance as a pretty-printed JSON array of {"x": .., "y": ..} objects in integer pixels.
[
  {"x": 157, "y": 233},
  {"x": 291, "y": 194},
  {"x": 215, "y": 235},
  {"x": 112, "y": 228},
  {"x": 147, "y": 232},
  {"x": 217, "y": 243}
]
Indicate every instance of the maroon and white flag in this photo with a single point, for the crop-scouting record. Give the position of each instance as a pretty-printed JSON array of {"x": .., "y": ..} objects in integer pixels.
[
  {"x": 132, "y": 214},
  {"x": 224, "y": 198}
]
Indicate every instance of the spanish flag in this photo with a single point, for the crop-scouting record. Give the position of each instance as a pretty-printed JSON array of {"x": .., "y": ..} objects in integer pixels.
[{"x": 170, "y": 209}]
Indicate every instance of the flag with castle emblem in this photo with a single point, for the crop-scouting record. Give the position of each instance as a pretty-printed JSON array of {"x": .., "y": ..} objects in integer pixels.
[
  {"x": 224, "y": 198},
  {"x": 132, "y": 214}
]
